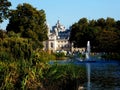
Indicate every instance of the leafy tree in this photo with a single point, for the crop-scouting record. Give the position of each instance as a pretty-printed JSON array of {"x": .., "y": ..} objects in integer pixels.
[
  {"x": 77, "y": 31},
  {"x": 108, "y": 41},
  {"x": 4, "y": 9},
  {"x": 82, "y": 32},
  {"x": 83, "y": 21},
  {"x": 110, "y": 22},
  {"x": 117, "y": 24},
  {"x": 74, "y": 30},
  {"x": 92, "y": 23},
  {"x": 15, "y": 49},
  {"x": 104, "y": 34},
  {"x": 28, "y": 21},
  {"x": 101, "y": 22}
]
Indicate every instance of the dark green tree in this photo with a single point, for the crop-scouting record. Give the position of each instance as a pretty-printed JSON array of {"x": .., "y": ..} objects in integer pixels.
[
  {"x": 74, "y": 29},
  {"x": 101, "y": 23},
  {"x": 110, "y": 24},
  {"x": 104, "y": 34},
  {"x": 117, "y": 25},
  {"x": 108, "y": 41},
  {"x": 28, "y": 21},
  {"x": 82, "y": 32},
  {"x": 77, "y": 30},
  {"x": 4, "y": 9},
  {"x": 92, "y": 23},
  {"x": 14, "y": 48},
  {"x": 83, "y": 21}
]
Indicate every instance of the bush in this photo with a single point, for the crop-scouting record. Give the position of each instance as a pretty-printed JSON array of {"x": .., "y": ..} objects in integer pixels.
[
  {"x": 63, "y": 77},
  {"x": 60, "y": 55},
  {"x": 41, "y": 56}
]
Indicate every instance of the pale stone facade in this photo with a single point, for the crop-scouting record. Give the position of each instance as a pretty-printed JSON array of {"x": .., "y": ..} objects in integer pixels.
[{"x": 58, "y": 39}]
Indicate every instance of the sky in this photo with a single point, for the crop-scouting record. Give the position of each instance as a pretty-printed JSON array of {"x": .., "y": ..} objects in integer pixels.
[{"x": 70, "y": 11}]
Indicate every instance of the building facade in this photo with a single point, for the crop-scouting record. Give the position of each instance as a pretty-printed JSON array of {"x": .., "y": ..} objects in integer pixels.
[{"x": 58, "y": 39}]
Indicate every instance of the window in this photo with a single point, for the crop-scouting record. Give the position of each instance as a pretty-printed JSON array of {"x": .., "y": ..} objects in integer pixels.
[{"x": 51, "y": 45}]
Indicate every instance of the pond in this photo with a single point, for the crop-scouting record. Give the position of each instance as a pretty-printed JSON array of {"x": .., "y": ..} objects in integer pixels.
[{"x": 101, "y": 74}]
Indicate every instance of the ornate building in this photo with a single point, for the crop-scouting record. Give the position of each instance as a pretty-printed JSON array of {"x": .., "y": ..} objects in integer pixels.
[{"x": 58, "y": 39}]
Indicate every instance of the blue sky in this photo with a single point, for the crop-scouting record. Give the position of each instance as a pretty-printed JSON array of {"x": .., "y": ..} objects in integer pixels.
[{"x": 70, "y": 11}]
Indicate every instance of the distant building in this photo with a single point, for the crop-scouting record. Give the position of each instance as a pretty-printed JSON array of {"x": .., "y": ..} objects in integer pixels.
[{"x": 58, "y": 39}]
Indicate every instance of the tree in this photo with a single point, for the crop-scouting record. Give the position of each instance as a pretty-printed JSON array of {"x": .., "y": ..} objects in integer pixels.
[
  {"x": 77, "y": 29},
  {"x": 83, "y": 21},
  {"x": 4, "y": 9},
  {"x": 110, "y": 22},
  {"x": 101, "y": 22},
  {"x": 108, "y": 41},
  {"x": 15, "y": 48},
  {"x": 104, "y": 34},
  {"x": 28, "y": 21},
  {"x": 92, "y": 23},
  {"x": 118, "y": 24}
]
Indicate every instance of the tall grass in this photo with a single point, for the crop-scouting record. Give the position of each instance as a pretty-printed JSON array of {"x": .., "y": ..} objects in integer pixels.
[
  {"x": 25, "y": 76},
  {"x": 61, "y": 77}
]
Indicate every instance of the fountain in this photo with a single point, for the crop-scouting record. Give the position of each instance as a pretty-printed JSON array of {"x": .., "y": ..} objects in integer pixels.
[
  {"x": 88, "y": 64},
  {"x": 88, "y": 51},
  {"x": 87, "y": 54}
]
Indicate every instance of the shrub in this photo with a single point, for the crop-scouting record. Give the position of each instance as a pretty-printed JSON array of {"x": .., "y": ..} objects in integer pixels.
[
  {"x": 62, "y": 77},
  {"x": 41, "y": 56},
  {"x": 60, "y": 55}
]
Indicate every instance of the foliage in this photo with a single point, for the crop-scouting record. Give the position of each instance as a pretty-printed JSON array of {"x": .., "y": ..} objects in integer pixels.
[
  {"x": 108, "y": 41},
  {"x": 41, "y": 56},
  {"x": 104, "y": 34},
  {"x": 82, "y": 56},
  {"x": 59, "y": 55},
  {"x": 16, "y": 75},
  {"x": 62, "y": 76},
  {"x": 28, "y": 21},
  {"x": 17, "y": 48},
  {"x": 4, "y": 9}
]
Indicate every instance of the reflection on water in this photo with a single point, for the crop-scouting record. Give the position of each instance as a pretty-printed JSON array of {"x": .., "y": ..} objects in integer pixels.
[
  {"x": 102, "y": 76},
  {"x": 88, "y": 76}
]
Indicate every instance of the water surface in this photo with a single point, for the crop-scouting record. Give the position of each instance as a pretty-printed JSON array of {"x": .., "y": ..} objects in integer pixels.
[{"x": 101, "y": 74}]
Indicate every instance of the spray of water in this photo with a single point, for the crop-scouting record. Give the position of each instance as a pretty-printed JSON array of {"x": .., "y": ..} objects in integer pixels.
[
  {"x": 88, "y": 51},
  {"x": 88, "y": 65}
]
